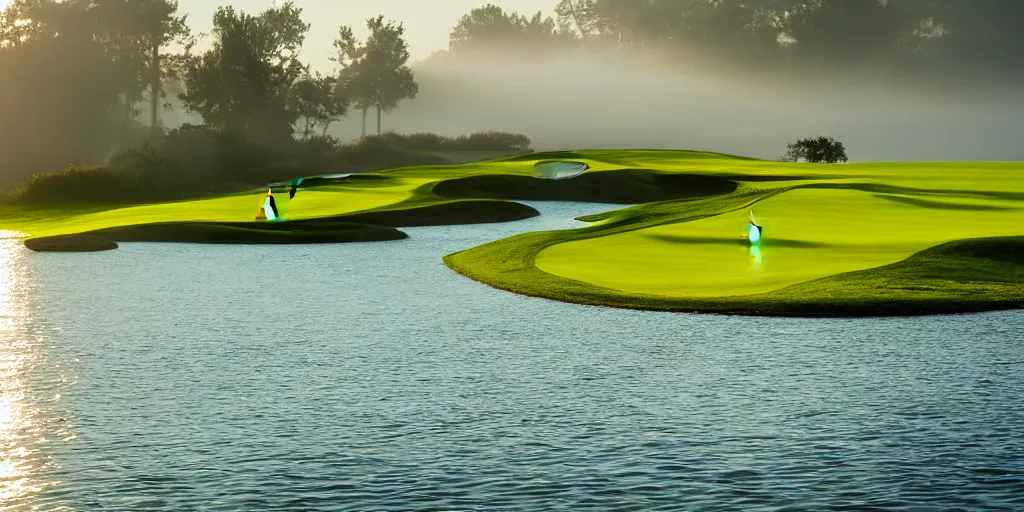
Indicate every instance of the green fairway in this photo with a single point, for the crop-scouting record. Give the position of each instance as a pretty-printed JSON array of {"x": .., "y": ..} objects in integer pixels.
[
  {"x": 876, "y": 238},
  {"x": 312, "y": 203},
  {"x": 823, "y": 224},
  {"x": 809, "y": 233}
]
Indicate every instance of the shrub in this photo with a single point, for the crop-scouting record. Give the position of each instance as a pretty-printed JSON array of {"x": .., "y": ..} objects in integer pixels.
[
  {"x": 427, "y": 141},
  {"x": 195, "y": 161},
  {"x": 815, "y": 150},
  {"x": 480, "y": 141},
  {"x": 383, "y": 151},
  {"x": 500, "y": 140},
  {"x": 315, "y": 155},
  {"x": 77, "y": 185}
]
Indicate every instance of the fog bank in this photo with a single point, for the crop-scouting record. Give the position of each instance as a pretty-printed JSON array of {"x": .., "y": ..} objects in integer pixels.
[{"x": 565, "y": 102}]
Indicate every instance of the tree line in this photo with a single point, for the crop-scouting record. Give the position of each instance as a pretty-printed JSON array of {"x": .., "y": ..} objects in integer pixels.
[
  {"x": 76, "y": 72},
  {"x": 884, "y": 36}
]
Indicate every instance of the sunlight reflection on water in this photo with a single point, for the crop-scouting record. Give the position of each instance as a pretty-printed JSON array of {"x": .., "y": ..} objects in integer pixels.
[
  {"x": 379, "y": 379},
  {"x": 23, "y": 424}
]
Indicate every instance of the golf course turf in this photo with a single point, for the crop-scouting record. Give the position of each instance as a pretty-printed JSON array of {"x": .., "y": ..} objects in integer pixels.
[
  {"x": 217, "y": 233},
  {"x": 839, "y": 240}
]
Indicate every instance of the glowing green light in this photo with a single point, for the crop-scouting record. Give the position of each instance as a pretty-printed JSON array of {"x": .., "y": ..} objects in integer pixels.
[{"x": 754, "y": 233}]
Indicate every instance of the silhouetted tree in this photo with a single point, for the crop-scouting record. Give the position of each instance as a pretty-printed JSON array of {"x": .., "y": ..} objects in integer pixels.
[
  {"x": 244, "y": 82},
  {"x": 354, "y": 82},
  {"x": 375, "y": 74},
  {"x": 318, "y": 105},
  {"x": 490, "y": 27},
  {"x": 134, "y": 32},
  {"x": 905, "y": 36},
  {"x": 57, "y": 95},
  {"x": 816, "y": 150}
]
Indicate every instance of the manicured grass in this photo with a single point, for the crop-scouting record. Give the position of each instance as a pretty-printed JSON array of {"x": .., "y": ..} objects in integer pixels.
[
  {"x": 317, "y": 202},
  {"x": 445, "y": 214},
  {"x": 70, "y": 243},
  {"x": 629, "y": 186},
  {"x": 809, "y": 234},
  {"x": 849, "y": 239},
  {"x": 839, "y": 239},
  {"x": 298, "y": 232}
]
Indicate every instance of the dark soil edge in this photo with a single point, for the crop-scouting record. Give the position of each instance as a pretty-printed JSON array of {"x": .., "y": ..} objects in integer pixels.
[{"x": 627, "y": 186}]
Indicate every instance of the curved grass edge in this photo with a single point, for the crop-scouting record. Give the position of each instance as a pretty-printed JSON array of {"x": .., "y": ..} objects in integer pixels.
[
  {"x": 622, "y": 186},
  {"x": 378, "y": 225},
  {"x": 971, "y": 275},
  {"x": 70, "y": 243},
  {"x": 421, "y": 212},
  {"x": 215, "y": 233},
  {"x": 930, "y": 282}
]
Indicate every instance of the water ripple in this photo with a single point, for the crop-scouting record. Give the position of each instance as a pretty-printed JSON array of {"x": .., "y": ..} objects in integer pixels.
[{"x": 158, "y": 377}]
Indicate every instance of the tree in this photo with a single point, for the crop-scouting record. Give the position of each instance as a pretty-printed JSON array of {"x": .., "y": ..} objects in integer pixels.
[
  {"x": 56, "y": 93},
  {"x": 318, "y": 103},
  {"x": 386, "y": 58},
  {"x": 134, "y": 32},
  {"x": 816, "y": 150},
  {"x": 375, "y": 74},
  {"x": 243, "y": 84},
  {"x": 489, "y": 28},
  {"x": 354, "y": 81}
]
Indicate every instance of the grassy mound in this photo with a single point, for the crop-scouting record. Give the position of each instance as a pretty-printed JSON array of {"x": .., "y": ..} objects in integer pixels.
[
  {"x": 630, "y": 186},
  {"x": 70, "y": 243},
  {"x": 851, "y": 239},
  {"x": 961, "y": 276},
  {"x": 251, "y": 233},
  {"x": 224, "y": 233},
  {"x": 447, "y": 214},
  {"x": 839, "y": 240}
]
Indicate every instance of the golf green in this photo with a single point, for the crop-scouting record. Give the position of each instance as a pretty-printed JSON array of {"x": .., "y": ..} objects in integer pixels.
[
  {"x": 809, "y": 233},
  {"x": 839, "y": 239},
  {"x": 844, "y": 239}
]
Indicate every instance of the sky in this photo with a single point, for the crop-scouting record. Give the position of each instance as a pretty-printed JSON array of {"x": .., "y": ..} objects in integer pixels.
[{"x": 428, "y": 23}]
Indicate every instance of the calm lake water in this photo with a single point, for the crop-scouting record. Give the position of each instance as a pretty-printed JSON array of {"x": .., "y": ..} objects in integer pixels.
[{"x": 371, "y": 377}]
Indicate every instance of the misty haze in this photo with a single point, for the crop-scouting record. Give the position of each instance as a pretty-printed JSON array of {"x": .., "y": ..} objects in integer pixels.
[
  {"x": 530, "y": 255},
  {"x": 572, "y": 102}
]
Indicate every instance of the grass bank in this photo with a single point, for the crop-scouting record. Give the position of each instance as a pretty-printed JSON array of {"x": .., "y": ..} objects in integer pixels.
[
  {"x": 851, "y": 239},
  {"x": 840, "y": 240},
  {"x": 300, "y": 232}
]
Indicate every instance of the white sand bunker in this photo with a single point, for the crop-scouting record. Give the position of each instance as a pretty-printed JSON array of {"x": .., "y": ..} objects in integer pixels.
[{"x": 559, "y": 170}]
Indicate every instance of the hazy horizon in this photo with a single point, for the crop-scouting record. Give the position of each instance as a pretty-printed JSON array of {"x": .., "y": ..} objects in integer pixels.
[
  {"x": 587, "y": 97},
  {"x": 569, "y": 101},
  {"x": 428, "y": 25},
  {"x": 565, "y": 102}
]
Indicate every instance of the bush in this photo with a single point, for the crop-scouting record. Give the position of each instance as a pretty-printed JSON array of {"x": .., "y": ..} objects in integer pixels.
[
  {"x": 815, "y": 150},
  {"x": 194, "y": 161},
  {"x": 427, "y": 141},
  {"x": 480, "y": 141},
  {"x": 316, "y": 155},
  {"x": 77, "y": 185},
  {"x": 499, "y": 140},
  {"x": 381, "y": 152}
]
